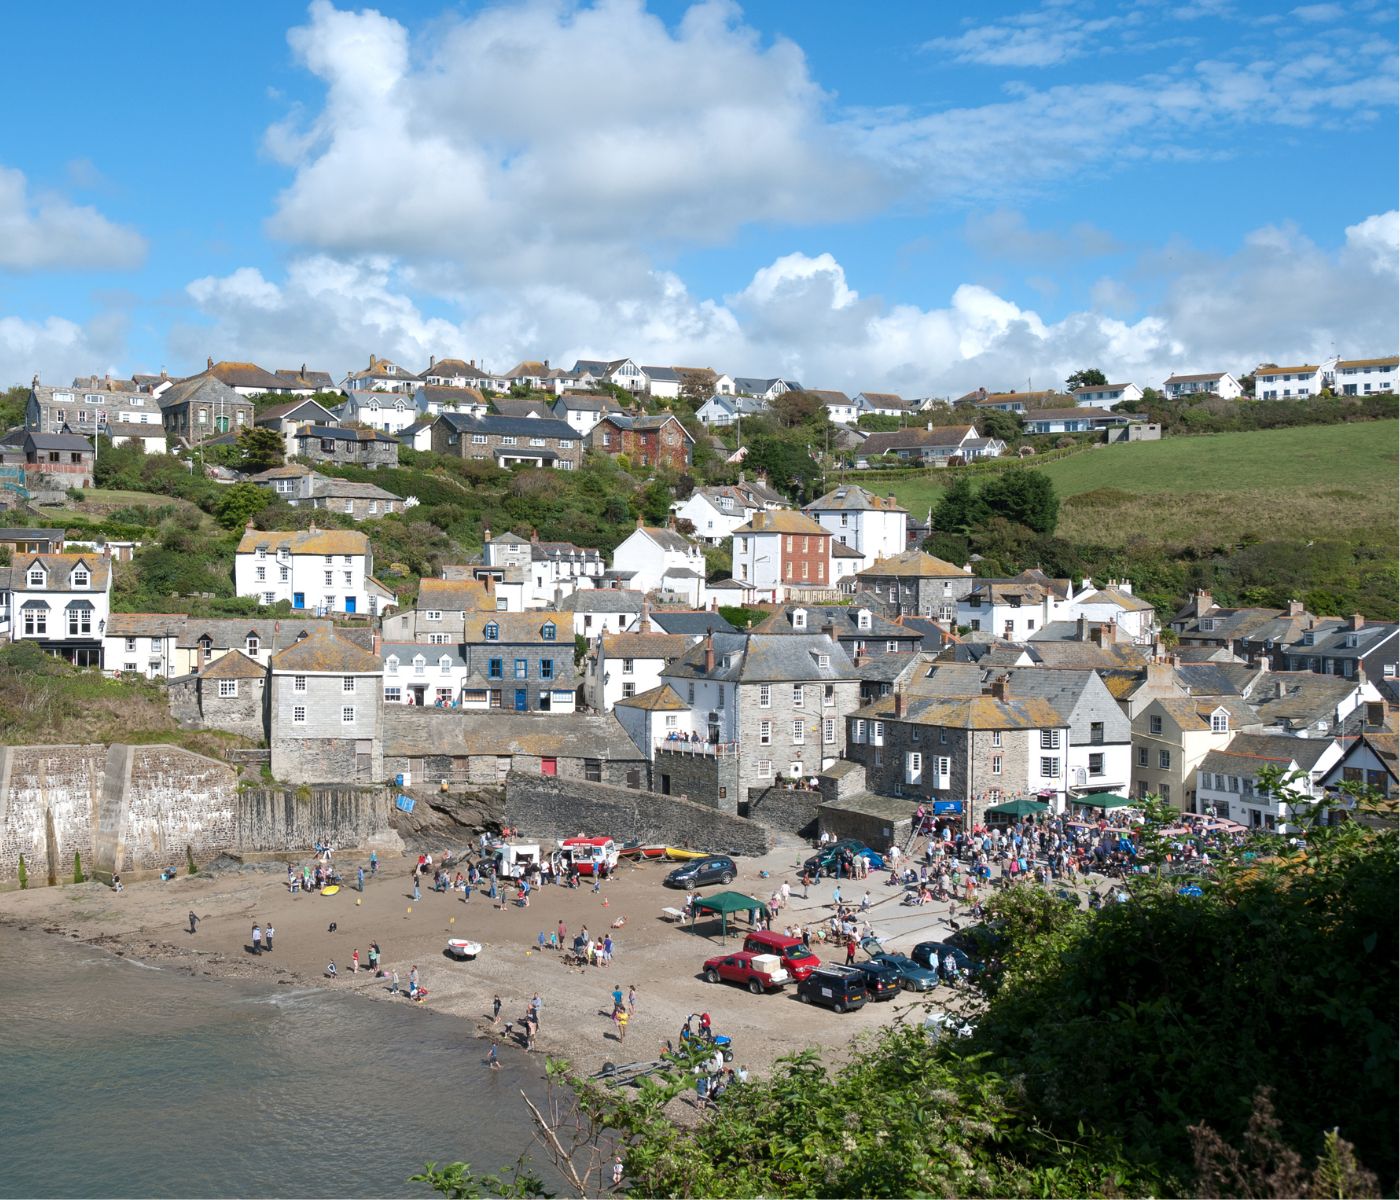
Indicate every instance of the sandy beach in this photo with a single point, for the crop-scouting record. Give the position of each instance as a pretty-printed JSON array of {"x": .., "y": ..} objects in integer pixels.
[{"x": 148, "y": 921}]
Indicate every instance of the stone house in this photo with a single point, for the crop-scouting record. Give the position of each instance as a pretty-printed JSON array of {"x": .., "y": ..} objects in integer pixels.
[
  {"x": 861, "y": 633},
  {"x": 977, "y": 750},
  {"x": 202, "y": 407},
  {"x": 509, "y": 441},
  {"x": 930, "y": 445},
  {"x": 1350, "y": 647},
  {"x": 230, "y": 695},
  {"x": 519, "y": 662},
  {"x": 429, "y": 747},
  {"x": 646, "y": 441},
  {"x": 326, "y": 712},
  {"x": 286, "y": 419},
  {"x": 916, "y": 584},
  {"x": 202, "y": 641},
  {"x": 86, "y": 408},
  {"x": 358, "y": 447},
  {"x": 438, "y": 617},
  {"x": 583, "y": 410},
  {"x": 57, "y": 461}
]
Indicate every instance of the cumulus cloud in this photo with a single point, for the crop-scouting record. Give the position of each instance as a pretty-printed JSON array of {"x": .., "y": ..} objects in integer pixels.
[
  {"x": 57, "y": 349},
  {"x": 45, "y": 231},
  {"x": 800, "y": 316}
]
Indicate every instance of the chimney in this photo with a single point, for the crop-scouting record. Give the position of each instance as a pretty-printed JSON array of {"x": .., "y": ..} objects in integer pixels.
[
  {"x": 639, "y": 520},
  {"x": 163, "y": 375},
  {"x": 1175, "y": 660},
  {"x": 709, "y": 653},
  {"x": 1081, "y": 629},
  {"x": 376, "y": 643},
  {"x": 472, "y": 364},
  {"x": 303, "y": 370},
  {"x": 1204, "y": 601},
  {"x": 899, "y": 705},
  {"x": 432, "y": 361},
  {"x": 1096, "y": 635},
  {"x": 546, "y": 364},
  {"x": 208, "y": 364},
  {"x": 107, "y": 381},
  {"x": 1357, "y": 621},
  {"x": 534, "y": 535},
  {"x": 1001, "y": 688},
  {"x": 490, "y": 582},
  {"x": 830, "y": 630},
  {"x": 371, "y": 362},
  {"x": 249, "y": 527},
  {"x": 644, "y": 624},
  {"x": 1280, "y": 689},
  {"x": 1262, "y": 662},
  {"x": 1295, "y": 608}
]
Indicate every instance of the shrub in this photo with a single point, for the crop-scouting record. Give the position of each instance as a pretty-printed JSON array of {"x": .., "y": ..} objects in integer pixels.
[
  {"x": 190, "y": 868},
  {"x": 78, "y": 876},
  {"x": 23, "y": 875}
]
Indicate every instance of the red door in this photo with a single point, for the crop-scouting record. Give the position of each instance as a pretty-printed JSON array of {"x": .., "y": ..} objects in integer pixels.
[{"x": 549, "y": 766}]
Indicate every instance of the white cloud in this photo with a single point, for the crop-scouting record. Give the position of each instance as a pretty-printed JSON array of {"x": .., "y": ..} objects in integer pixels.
[
  {"x": 1318, "y": 13},
  {"x": 800, "y": 316},
  {"x": 1044, "y": 37},
  {"x": 57, "y": 349},
  {"x": 45, "y": 231}
]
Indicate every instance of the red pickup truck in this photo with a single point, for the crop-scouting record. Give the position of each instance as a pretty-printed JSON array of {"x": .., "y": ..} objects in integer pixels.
[{"x": 758, "y": 972}]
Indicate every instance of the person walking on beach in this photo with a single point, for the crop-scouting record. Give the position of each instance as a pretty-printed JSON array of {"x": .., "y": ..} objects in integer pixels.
[
  {"x": 621, "y": 1025},
  {"x": 632, "y": 1000},
  {"x": 417, "y": 895},
  {"x": 257, "y": 939},
  {"x": 496, "y": 1010},
  {"x": 373, "y": 864},
  {"x": 413, "y": 979},
  {"x": 360, "y": 877},
  {"x": 393, "y": 983},
  {"x": 535, "y": 1005},
  {"x": 267, "y": 937},
  {"x": 493, "y": 1060},
  {"x": 355, "y": 962},
  {"x": 194, "y": 921}
]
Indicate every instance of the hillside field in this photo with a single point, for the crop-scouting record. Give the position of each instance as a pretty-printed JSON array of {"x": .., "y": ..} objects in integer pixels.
[{"x": 1320, "y": 481}]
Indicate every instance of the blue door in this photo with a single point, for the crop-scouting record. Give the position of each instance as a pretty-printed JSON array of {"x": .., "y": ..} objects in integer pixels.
[
  {"x": 520, "y": 700},
  {"x": 349, "y": 604},
  {"x": 298, "y": 599}
]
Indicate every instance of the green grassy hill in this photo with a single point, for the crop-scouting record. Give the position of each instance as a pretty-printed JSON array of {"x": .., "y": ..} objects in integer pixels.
[{"x": 1318, "y": 481}]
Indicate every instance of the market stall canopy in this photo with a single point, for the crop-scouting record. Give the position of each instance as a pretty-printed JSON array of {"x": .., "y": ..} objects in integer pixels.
[
  {"x": 1103, "y": 800},
  {"x": 724, "y": 903},
  {"x": 1017, "y": 808}
]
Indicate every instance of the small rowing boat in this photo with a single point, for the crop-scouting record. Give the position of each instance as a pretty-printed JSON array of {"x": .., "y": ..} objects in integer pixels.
[{"x": 673, "y": 852}]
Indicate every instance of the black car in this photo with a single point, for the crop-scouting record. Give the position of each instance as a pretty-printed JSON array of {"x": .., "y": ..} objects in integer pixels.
[
  {"x": 983, "y": 940},
  {"x": 839, "y": 988},
  {"x": 933, "y": 955},
  {"x": 881, "y": 982},
  {"x": 713, "y": 868}
]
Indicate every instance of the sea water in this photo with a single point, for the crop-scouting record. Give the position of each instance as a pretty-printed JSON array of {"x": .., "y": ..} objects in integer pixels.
[{"x": 119, "y": 1078}]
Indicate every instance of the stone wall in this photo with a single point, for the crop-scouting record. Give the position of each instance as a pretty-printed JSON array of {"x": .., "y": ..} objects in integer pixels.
[
  {"x": 791, "y": 810},
  {"x": 137, "y": 808},
  {"x": 711, "y": 779},
  {"x": 554, "y": 808}
]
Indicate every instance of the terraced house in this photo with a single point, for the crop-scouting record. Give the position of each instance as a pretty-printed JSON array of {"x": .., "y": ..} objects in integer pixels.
[
  {"x": 509, "y": 441},
  {"x": 330, "y": 570},
  {"x": 520, "y": 662}
]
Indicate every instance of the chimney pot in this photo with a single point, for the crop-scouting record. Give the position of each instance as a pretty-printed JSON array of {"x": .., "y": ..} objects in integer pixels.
[
  {"x": 1081, "y": 629},
  {"x": 1357, "y": 621}
]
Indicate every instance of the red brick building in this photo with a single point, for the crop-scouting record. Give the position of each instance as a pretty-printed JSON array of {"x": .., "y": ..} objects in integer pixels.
[{"x": 647, "y": 441}]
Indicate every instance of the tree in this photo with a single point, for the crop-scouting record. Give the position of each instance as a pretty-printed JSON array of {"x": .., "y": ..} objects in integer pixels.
[
  {"x": 796, "y": 408},
  {"x": 238, "y": 503},
  {"x": 997, "y": 423},
  {"x": 788, "y": 467},
  {"x": 697, "y": 385},
  {"x": 961, "y": 509},
  {"x": 1024, "y": 497},
  {"x": 260, "y": 449},
  {"x": 1088, "y": 377}
]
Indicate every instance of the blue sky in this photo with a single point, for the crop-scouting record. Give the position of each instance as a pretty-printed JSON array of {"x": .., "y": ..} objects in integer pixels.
[{"x": 891, "y": 196}]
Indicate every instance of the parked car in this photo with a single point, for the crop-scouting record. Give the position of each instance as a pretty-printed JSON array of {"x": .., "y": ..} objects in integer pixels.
[
  {"x": 933, "y": 954},
  {"x": 758, "y": 972},
  {"x": 881, "y": 982},
  {"x": 713, "y": 868},
  {"x": 839, "y": 988},
  {"x": 824, "y": 860},
  {"x": 941, "y": 1024},
  {"x": 912, "y": 977},
  {"x": 797, "y": 957},
  {"x": 983, "y": 940}
]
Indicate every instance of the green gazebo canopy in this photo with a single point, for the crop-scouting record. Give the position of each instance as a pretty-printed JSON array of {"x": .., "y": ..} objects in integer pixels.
[
  {"x": 724, "y": 903},
  {"x": 1104, "y": 800},
  {"x": 1017, "y": 808}
]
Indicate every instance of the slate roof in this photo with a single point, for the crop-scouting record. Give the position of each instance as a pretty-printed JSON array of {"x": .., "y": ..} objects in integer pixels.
[
  {"x": 844, "y": 616},
  {"x": 886, "y": 668},
  {"x": 783, "y": 520},
  {"x": 1206, "y": 378},
  {"x": 759, "y": 658},
  {"x": 520, "y": 408},
  {"x": 541, "y": 427},
  {"x": 515, "y": 628},
  {"x": 668, "y": 646},
  {"x": 841, "y": 550},
  {"x": 690, "y": 624},
  {"x": 658, "y": 699},
  {"x": 1192, "y": 713},
  {"x": 71, "y": 442},
  {"x": 24, "y": 533},
  {"x": 300, "y": 377},
  {"x": 227, "y": 632},
  {"x": 972, "y": 712},
  {"x": 603, "y": 600},
  {"x": 58, "y": 570},
  {"x": 455, "y": 595},
  {"x": 234, "y": 665},
  {"x": 747, "y": 383},
  {"x": 338, "y": 434},
  {"x": 145, "y": 624},
  {"x": 587, "y": 402},
  {"x": 240, "y": 374},
  {"x": 853, "y": 498},
  {"x": 1331, "y": 643},
  {"x": 406, "y": 652},
  {"x": 661, "y": 374},
  {"x": 934, "y": 636},
  {"x": 438, "y": 394},
  {"x": 1088, "y": 656},
  {"x": 1220, "y": 679},
  {"x": 905, "y": 439},
  {"x": 667, "y": 539},
  {"x": 445, "y": 368},
  {"x": 324, "y": 651},
  {"x": 1113, "y": 595},
  {"x": 414, "y": 732},
  {"x": 912, "y": 564},
  {"x": 347, "y": 489},
  {"x": 270, "y": 416},
  {"x": 1307, "y": 697},
  {"x": 137, "y": 429},
  {"x": 376, "y": 370},
  {"x": 305, "y": 541},
  {"x": 206, "y": 388},
  {"x": 1248, "y": 753}
]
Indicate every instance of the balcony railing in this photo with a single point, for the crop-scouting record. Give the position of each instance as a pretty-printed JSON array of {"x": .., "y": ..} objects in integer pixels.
[{"x": 681, "y": 746}]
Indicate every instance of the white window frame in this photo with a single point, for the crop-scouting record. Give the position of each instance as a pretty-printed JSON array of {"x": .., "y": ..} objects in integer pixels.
[{"x": 228, "y": 688}]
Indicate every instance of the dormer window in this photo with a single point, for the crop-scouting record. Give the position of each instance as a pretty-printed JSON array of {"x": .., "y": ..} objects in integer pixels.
[
  {"x": 445, "y": 665},
  {"x": 419, "y": 664},
  {"x": 863, "y": 619},
  {"x": 1308, "y": 638},
  {"x": 549, "y": 631},
  {"x": 1220, "y": 721},
  {"x": 1207, "y": 624},
  {"x": 799, "y": 618},
  {"x": 36, "y": 576},
  {"x": 81, "y": 578},
  {"x": 391, "y": 664},
  {"x": 252, "y": 645},
  {"x": 492, "y": 631}
]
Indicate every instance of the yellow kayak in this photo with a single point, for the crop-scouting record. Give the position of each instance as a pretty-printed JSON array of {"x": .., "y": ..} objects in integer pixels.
[
  {"x": 330, "y": 891},
  {"x": 673, "y": 852}
]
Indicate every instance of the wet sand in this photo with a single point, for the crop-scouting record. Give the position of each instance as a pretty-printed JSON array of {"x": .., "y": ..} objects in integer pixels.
[{"x": 148, "y": 921}]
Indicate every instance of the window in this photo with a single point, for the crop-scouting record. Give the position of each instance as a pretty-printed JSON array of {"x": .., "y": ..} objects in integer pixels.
[
  {"x": 914, "y": 766},
  {"x": 1219, "y": 722},
  {"x": 419, "y": 664},
  {"x": 799, "y": 733},
  {"x": 829, "y": 732},
  {"x": 36, "y": 576},
  {"x": 507, "y": 441},
  {"x": 829, "y": 696},
  {"x": 996, "y": 737},
  {"x": 478, "y": 439},
  {"x": 627, "y": 666},
  {"x": 347, "y": 577},
  {"x": 549, "y": 631},
  {"x": 492, "y": 631},
  {"x": 1154, "y": 724},
  {"x": 629, "y": 690},
  {"x": 1164, "y": 760},
  {"x": 765, "y": 696},
  {"x": 546, "y": 668},
  {"x": 79, "y": 621},
  {"x": 329, "y": 578},
  {"x": 765, "y": 768},
  {"x": 432, "y": 614},
  {"x": 823, "y": 660},
  {"x": 1096, "y": 733},
  {"x": 298, "y": 715},
  {"x": 1142, "y": 756},
  {"x": 495, "y": 668},
  {"x": 269, "y": 597},
  {"x": 1049, "y": 768},
  {"x": 1049, "y": 739},
  {"x": 347, "y": 683},
  {"x": 996, "y": 764},
  {"x": 131, "y": 645},
  {"x": 522, "y": 668},
  {"x": 797, "y": 693},
  {"x": 347, "y": 715},
  {"x": 393, "y": 695},
  {"x": 765, "y": 733},
  {"x": 80, "y": 578},
  {"x": 1095, "y": 764},
  {"x": 298, "y": 683},
  {"x": 227, "y": 688}
]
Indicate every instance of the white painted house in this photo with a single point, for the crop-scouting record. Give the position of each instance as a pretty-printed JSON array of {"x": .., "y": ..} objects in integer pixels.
[
  {"x": 1292, "y": 383},
  {"x": 840, "y": 408},
  {"x": 1219, "y": 383},
  {"x": 715, "y": 512},
  {"x": 874, "y": 526},
  {"x": 142, "y": 644},
  {"x": 664, "y": 383},
  {"x": 330, "y": 570},
  {"x": 62, "y": 602},
  {"x": 661, "y": 559},
  {"x": 723, "y": 410},
  {"x": 392, "y": 412},
  {"x": 1106, "y": 395},
  {"x": 1364, "y": 376},
  {"x": 583, "y": 410}
]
